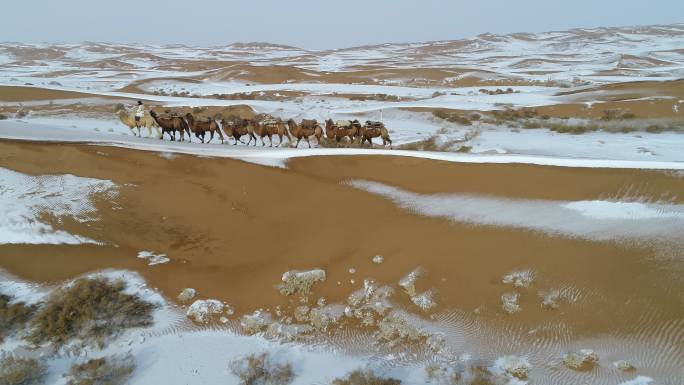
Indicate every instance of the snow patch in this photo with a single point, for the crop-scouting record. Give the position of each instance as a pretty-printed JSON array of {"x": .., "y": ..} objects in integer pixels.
[{"x": 25, "y": 198}]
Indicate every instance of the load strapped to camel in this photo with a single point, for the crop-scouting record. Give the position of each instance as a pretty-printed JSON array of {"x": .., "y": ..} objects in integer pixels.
[
  {"x": 270, "y": 121},
  {"x": 343, "y": 123},
  {"x": 374, "y": 124},
  {"x": 309, "y": 123}
]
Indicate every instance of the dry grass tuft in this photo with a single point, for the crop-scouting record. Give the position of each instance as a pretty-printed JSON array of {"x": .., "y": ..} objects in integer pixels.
[
  {"x": 20, "y": 371},
  {"x": 359, "y": 377},
  {"x": 260, "y": 369},
  {"x": 92, "y": 309},
  {"x": 101, "y": 371},
  {"x": 13, "y": 316}
]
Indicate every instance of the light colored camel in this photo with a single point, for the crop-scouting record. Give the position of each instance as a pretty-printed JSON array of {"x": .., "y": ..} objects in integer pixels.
[{"x": 128, "y": 118}]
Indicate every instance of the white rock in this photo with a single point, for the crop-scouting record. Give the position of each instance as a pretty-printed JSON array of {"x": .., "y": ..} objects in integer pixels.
[{"x": 378, "y": 259}]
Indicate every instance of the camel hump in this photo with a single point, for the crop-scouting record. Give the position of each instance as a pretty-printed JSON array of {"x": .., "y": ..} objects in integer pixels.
[
  {"x": 343, "y": 123},
  {"x": 309, "y": 123}
]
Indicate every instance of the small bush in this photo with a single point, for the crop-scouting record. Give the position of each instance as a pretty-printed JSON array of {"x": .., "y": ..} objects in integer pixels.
[
  {"x": 89, "y": 309},
  {"x": 13, "y": 316},
  {"x": 261, "y": 370},
  {"x": 617, "y": 114},
  {"x": 21, "y": 113},
  {"x": 3, "y": 117},
  {"x": 20, "y": 371},
  {"x": 101, "y": 371},
  {"x": 359, "y": 377}
]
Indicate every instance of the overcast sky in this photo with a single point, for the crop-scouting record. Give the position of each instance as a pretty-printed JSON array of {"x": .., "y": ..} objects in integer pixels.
[{"x": 313, "y": 24}]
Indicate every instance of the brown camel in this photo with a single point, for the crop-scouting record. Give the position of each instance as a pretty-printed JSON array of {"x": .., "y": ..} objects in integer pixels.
[
  {"x": 299, "y": 131},
  {"x": 261, "y": 130},
  {"x": 237, "y": 127},
  {"x": 373, "y": 130},
  {"x": 201, "y": 127},
  {"x": 345, "y": 129},
  {"x": 170, "y": 125},
  {"x": 330, "y": 128},
  {"x": 278, "y": 128},
  {"x": 128, "y": 118}
]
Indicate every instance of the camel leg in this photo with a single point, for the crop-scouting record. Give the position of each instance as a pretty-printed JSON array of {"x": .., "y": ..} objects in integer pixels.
[
  {"x": 297, "y": 145},
  {"x": 211, "y": 137},
  {"x": 307, "y": 141}
]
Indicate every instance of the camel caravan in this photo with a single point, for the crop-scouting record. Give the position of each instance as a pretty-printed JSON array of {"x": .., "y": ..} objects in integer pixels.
[{"x": 260, "y": 127}]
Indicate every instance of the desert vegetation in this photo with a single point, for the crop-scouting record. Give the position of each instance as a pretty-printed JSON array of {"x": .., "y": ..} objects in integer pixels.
[
  {"x": 16, "y": 370},
  {"x": 615, "y": 120},
  {"x": 91, "y": 309},
  {"x": 261, "y": 369},
  {"x": 13, "y": 316},
  {"x": 365, "y": 377},
  {"x": 101, "y": 371}
]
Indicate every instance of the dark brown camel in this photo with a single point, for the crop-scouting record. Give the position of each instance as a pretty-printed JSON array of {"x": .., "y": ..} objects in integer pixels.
[
  {"x": 201, "y": 127},
  {"x": 373, "y": 130},
  {"x": 237, "y": 127},
  {"x": 171, "y": 125}
]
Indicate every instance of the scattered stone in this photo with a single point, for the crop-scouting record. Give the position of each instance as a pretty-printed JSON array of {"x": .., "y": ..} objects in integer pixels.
[
  {"x": 186, "y": 295},
  {"x": 520, "y": 279},
  {"x": 300, "y": 281},
  {"x": 624, "y": 366},
  {"x": 201, "y": 311},
  {"x": 352, "y": 270},
  {"x": 509, "y": 302},
  {"x": 378, "y": 259},
  {"x": 582, "y": 360}
]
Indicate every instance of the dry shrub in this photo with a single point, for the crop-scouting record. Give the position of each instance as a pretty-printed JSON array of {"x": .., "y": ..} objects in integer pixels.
[
  {"x": 20, "y": 371},
  {"x": 13, "y": 316},
  {"x": 261, "y": 370},
  {"x": 378, "y": 97},
  {"x": 89, "y": 309},
  {"x": 101, "y": 371},
  {"x": 359, "y": 377},
  {"x": 21, "y": 113},
  {"x": 3, "y": 117},
  {"x": 452, "y": 117},
  {"x": 617, "y": 114}
]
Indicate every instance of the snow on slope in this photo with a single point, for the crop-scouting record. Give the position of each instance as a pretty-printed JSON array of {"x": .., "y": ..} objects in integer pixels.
[{"x": 25, "y": 198}]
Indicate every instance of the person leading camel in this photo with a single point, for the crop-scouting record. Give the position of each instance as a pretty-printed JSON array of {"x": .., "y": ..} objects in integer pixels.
[{"x": 139, "y": 114}]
